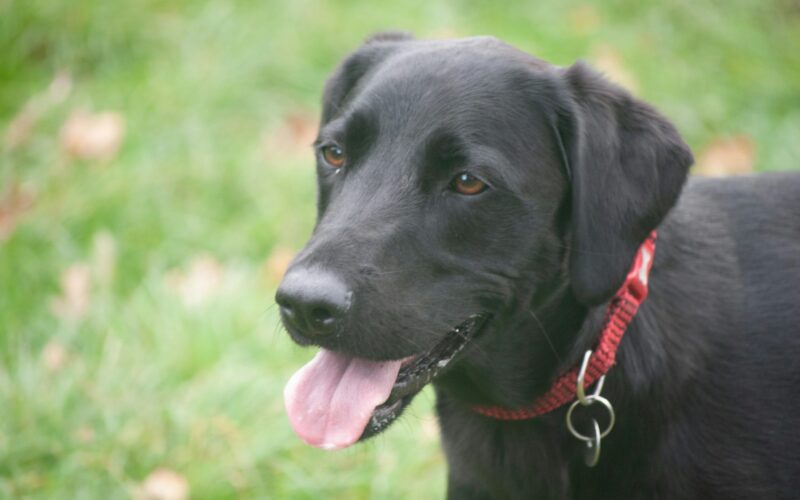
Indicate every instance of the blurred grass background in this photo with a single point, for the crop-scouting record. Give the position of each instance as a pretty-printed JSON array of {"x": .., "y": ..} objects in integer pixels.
[{"x": 156, "y": 176}]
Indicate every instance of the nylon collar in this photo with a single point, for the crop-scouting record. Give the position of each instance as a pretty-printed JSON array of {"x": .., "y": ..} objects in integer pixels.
[{"x": 620, "y": 313}]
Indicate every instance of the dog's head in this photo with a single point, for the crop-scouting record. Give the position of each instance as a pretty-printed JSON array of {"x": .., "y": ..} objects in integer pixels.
[{"x": 459, "y": 180}]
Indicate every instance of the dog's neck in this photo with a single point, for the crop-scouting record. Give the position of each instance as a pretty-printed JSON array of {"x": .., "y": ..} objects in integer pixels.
[
  {"x": 659, "y": 362},
  {"x": 537, "y": 343},
  {"x": 547, "y": 341},
  {"x": 552, "y": 311}
]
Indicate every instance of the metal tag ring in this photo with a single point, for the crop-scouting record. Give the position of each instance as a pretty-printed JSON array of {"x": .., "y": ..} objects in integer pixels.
[
  {"x": 592, "y": 454},
  {"x": 591, "y": 399}
]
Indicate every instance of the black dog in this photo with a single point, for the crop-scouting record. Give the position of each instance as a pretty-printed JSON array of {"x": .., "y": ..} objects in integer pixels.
[{"x": 478, "y": 209}]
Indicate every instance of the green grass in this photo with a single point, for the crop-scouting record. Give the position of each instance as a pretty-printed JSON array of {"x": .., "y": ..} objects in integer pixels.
[{"x": 150, "y": 382}]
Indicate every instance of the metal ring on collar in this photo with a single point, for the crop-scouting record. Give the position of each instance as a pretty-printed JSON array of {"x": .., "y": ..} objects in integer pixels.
[
  {"x": 579, "y": 389},
  {"x": 589, "y": 401},
  {"x": 592, "y": 454}
]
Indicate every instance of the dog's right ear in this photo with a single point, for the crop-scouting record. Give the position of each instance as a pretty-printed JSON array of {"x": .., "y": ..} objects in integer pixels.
[
  {"x": 628, "y": 166},
  {"x": 347, "y": 75}
]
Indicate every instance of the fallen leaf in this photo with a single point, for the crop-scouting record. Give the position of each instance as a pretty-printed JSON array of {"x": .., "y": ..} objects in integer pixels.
[
  {"x": 734, "y": 155},
  {"x": 164, "y": 484},
  {"x": 13, "y": 204},
  {"x": 92, "y": 136},
  {"x": 54, "y": 356},
  {"x": 294, "y": 136},
  {"x": 609, "y": 62},
  {"x": 60, "y": 88},
  {"x": 84, "y": 434},
  {"x": 237, "y": 478},
  {"x": 73, "y": 303},
  {"x": 29, "y": 480},
  {"x": 277, "y": 263},
  {"x": 21, "y": 126},
  {"x": 226, "y": 428},
  {"x": 429, "y": 428},
  {"x": 584, "y": 19},
  {"x": 199, "y": 282},
  {"x": 104, "y": 258}
]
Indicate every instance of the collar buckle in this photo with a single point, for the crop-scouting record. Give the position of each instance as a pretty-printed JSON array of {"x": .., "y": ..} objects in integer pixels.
[{"x": 636, "y": 282}]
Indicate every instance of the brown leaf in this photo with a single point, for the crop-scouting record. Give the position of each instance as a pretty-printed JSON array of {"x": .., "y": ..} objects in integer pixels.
[
  {"x": 13, "y": 204},
  {"x": 54, "y": 356},
  {"x": 164, "y": 484},
  {"x": 73, "y": 303},
  {"x": 92, "y": 136},
  {"x": 429, "y": 428},
  {"x": 734, "y": 155},
  {"x": 83, "y": 434},
  {"x": 608, "y": 60},
  {"x": 584, "y": 19},
  {"x": 199, "y": 282},
  {"x": 277, "y": 263},
  {"x": 294, "y": 136},
  {"x": 59, "y": 88},
  {"x": 21, "y": 126},
  {"x": 104, "y": 258}
]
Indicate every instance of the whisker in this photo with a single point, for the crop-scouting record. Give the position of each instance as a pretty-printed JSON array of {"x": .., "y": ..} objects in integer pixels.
[{"x": 546, "y": 336}]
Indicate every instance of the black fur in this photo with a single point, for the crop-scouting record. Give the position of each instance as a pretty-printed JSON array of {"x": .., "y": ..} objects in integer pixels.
[{"x": 707, "y": 378}]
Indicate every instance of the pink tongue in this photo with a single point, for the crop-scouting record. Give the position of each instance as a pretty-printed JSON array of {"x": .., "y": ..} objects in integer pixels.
[{"x": 330, "y": 399}]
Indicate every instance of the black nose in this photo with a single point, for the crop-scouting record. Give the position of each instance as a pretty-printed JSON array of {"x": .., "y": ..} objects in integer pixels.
[{"x": 313, "y": 302}]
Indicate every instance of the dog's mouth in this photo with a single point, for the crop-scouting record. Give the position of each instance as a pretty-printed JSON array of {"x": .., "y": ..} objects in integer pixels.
[{"x": 336, "y": 400}]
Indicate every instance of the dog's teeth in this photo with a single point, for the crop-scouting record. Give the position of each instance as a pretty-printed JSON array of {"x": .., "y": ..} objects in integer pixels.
[{"x": 420, "y": 372}]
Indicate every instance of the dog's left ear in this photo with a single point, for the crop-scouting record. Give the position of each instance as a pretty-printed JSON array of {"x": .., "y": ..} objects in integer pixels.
[
  {"x": 347, "y": 75},
  {"x": 628, "y": 165}
]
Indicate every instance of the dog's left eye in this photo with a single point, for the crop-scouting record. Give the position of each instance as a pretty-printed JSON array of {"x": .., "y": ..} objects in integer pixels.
[
  {"x": 467, "y": 184},
  {"x": 333, "y": 155}
]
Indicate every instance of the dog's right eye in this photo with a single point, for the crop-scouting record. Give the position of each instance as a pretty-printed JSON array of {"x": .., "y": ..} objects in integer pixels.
[
  {"x": 333, "y": 155},
  {"x": 468, "y": 184}
]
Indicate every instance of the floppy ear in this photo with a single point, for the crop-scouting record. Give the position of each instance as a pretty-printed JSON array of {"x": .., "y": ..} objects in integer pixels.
[
  {"x": 628, "y": 165},
  {"x": 347, "y": 75}
]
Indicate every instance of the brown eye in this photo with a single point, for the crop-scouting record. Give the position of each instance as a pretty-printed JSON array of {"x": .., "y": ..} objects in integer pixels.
[
  {"x": 333, "y": 155},
  {"x": 465, "y": 183}
]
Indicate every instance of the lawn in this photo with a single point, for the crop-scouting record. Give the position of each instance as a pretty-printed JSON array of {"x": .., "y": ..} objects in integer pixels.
[{"x": 156, "y": 175}]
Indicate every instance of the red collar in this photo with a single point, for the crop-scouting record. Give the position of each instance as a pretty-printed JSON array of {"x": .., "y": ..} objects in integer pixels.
[{"x": 621, "y": 311}]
